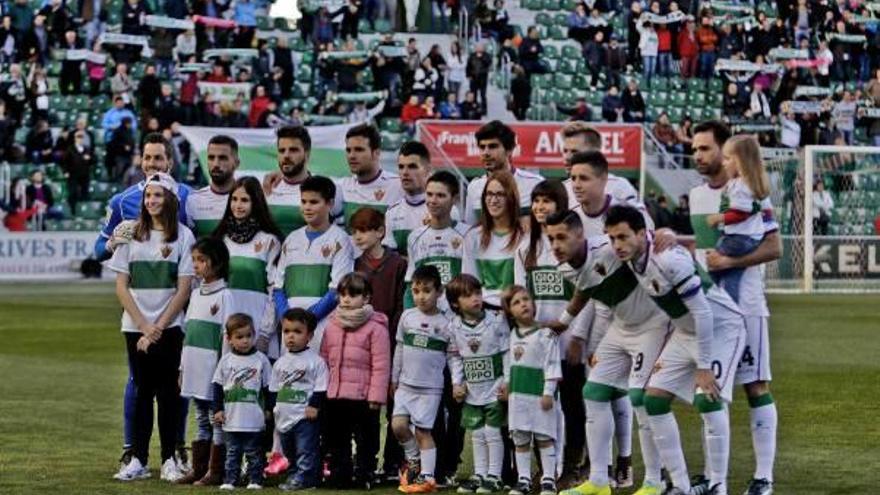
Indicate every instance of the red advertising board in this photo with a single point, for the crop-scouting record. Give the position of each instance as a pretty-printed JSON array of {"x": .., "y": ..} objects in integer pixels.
[{"x": 539, "y": 144}]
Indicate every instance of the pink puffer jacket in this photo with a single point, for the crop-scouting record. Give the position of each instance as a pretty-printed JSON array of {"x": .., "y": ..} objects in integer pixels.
[{"x": 359, "y": 360}]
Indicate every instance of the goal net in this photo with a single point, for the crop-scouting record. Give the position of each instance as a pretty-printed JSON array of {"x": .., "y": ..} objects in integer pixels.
[{"x": 827, "y": 203}]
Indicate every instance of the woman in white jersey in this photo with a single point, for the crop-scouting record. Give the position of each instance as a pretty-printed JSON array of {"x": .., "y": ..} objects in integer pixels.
[
  {"x": 490, "y": 246},
  {"x": 254, "y": 242},
  {"x": 154, "y": 273}
]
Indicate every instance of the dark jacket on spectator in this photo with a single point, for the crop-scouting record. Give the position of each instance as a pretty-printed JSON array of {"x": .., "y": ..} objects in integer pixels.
[{"x": 386, "y": 276}]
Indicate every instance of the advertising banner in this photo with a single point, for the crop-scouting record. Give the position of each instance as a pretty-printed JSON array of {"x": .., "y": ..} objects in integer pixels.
[{"x": 44, "y": 255}]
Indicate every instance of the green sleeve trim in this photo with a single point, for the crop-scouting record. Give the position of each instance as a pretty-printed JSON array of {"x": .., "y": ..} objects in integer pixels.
[
  {"x": 598, "y": 393},
  {"x": 637, "y": 397},
  {"x": 657, "y": 406},
  {"x": 761, "y": 400},
  {"x": 704, "y": 405}
]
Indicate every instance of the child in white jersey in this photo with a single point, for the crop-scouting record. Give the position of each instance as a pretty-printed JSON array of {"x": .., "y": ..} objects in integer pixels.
[
  {"x": 299, "y": 385},
  {"x": 747, "y": 196},
  {"x": 241, "y": 384},
  {"x": 480, "y": 351},
  {"x": 420, "y": 356},
  {"x": 530, "y": 382},
  {"x": 209, "y": 306}
]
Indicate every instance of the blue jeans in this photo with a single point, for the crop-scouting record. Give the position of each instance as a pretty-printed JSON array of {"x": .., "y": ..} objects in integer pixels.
[
  {"x": 207, "y": 430},
  {"x": 664, "y": 64},
  {"x": 250, "y": 444},
  {"x": 735, "y": 245},
  {"x": 707, "y": 64},
  {"x": 300, "y": 446},
  {"x": 649, "y": 65}
]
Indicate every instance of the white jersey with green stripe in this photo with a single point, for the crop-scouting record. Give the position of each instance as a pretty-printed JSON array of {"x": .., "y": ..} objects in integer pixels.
[
  {"x": 492, "y": 265},
  {"x": 614, "y": 196},
  {"x": 204, "y": 210},
  {"x": 482, "y": 349},
  {"x": 525, "y": 182},
  {"x": 548, "y": 288},
  {"x": 443, "y": 248},
  {"x": 153, "y": 267},
  {"x": 422, "y": 349},
  {"x": 210, "y": 305},
  {"x": 308, "y": 269},
  {"x": 243, "y": 377},
  {"x": 379, "y": 193},
  {"x": 706, "y": 200},
  {"x": 251, "y": 273},
  {"x": 295, "y": 377},
  {"x": 285, "y": 206},
  {"x": 609, "y": 281},
  {"x": 401, "y": 219},
  {"x": 617, "y": 187},
  {"x": 534, "y": 370}
]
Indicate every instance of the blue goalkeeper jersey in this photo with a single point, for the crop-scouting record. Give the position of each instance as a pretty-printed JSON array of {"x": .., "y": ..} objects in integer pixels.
[{"x": 127, "y": 206}]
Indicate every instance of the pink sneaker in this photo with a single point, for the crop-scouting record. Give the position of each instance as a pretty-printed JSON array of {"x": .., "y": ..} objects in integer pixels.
[{"x": 277, "y": 464}]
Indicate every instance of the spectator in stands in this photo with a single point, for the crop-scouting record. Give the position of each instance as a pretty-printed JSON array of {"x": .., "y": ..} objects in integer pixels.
[
  {"x": 163, "y": 43},
  {"x": 665, "y": 134},
  {"x": 577, "y": 22},
  {"x": 35, "y": 44},
  {"x": 15, "y": 93},
  {"x": 872, "y": 89},
  {"x": 612, "y": 105},
  {"x": 77, "y": 162},
  {"x": 18, "y": 213},
  {"x": 470, "y": 109},
  {"x": 684, "y": 135},
  {"x": 707, "y": 39},
  {"x": 96, "y": 71},
  {"x": 184, "y": 46},
  {"x": 322, "y": 32},
  {"x": 662, "y": 216},
  {"x": 410, "y": 113},
  {"x": 39, "y": 93},
  {"x": 648, "y": 45},
  {"x": 759, "y": 105},
  {"x": 351, "y": 16},
  {"x": 133, "y": 17},
  {"x": 595, "y": 56},
  {"x": 121, "y": 84},
  {"x": 149, "y": 90},
  {"x": 632, "y": 33},
  {"x": 167, "y": 110},
  {"x": 39, "y": 195},
  {"x": 633, "y": 103},
  {"x": 40, "y": 143},
  {"x": 843, "y": 115},
  {"x": 70, "y": 81},
  {"x": 450, "y": 109},
  {"x": 530, "y": 51},
  {"x": 245, "y": 17},
  {"x": 664, "y": 50},
  {"x": 426, "y": 79},
  {"x": 478, "y": 66},
  {"x": 429, "y": 108},
  {"x": 8, "y": 43},
  {"x": 259, "y": 103},
  {"x": 735, "y": 104},
  {"x": 358, "y": 114},
  {"x": 438, "y": 62},
  {"x": 411, "y": 9},
  {"x": 120, "y": 148},
  {"x": 823, "y": 205},
  {"x": 58, "y": 21},
  {"x": 411, "y": 61},
  {"x": 615, "y": 56},
  {"x": 729, "y": 43},
  {"x": 499, "y": 27},
  {"x": 681, "y": 217},
  {"x": 688, "y": 49},
  {"x": 455, "y": 73},
  {"x": 520, "y": 93},
  {"x": 22, "y": 15},
  {"x": 113, "y": 118},
  {"x": 7, "y": 134},
  {"x": 579, "y": 112}
]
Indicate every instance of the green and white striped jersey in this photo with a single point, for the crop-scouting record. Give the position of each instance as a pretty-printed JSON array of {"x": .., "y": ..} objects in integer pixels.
[
  {"x": 483, "y": 351},
  {"x": 443, "y": 248},
  {"x": 493, "y": 266},
  {"x": 209, "y": 307},
  {"x": 285, "y": 206},
  {"x": 379, "y": 193},
  {"x": 153, "y": 267},
  {"x": 525, "y": 182},
  {"x": 308, "y": 269},
  {"x": 204, "y": 210},
  {"x": 534, "y": 370},
  {"x": 401, "y": 219},
  {"x": 422, "y": 349},
  {"x": 295, "y": 377},
  {"x": 243, "y": 377}
]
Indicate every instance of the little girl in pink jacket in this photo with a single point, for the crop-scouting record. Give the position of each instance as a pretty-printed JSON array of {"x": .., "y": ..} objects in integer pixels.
[{"x": 356, "y": 348}]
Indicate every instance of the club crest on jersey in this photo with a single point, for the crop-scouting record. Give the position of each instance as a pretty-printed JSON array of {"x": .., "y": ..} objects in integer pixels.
[
  {"x": 474, "y": 344},
  {"x": 214, "y": 308},
  {"x": 326, "y": 250},
  {"x": 165, "y": 250},
  {"x": 379, "y": 194},
  {"x": 456, "y": 243},
  {"x": 243, "y": 375},
  {"x": 518, "y": 352},
  {"x": 601, "y": 270},
  {"x": 258, "y": 246}
]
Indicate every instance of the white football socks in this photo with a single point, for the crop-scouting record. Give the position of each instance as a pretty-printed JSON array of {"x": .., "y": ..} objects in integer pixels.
[
  {"x": 763, "y": 422},
  {"x": 718, "y": 447},
  {"x": 495, "y": 448},
  {"x": 623, "y": 419},
  {"x": 668, "y": 442},
  {"x": 650, "y": 456},
  {"x": 600, "y": 429}
]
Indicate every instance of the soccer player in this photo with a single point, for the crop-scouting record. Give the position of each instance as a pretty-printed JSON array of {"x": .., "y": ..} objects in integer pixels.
[
  {"x": 368, "y": 184},
  {"x": 580, "y": 136},
  {"x": 753, "y": 371},
  {"x": 496, "y": 143},
  {"x": 205, "y": 207},
  {"x": 294, "y": 146},
  {"x": 627, "y": 352},
  {"x": 705, "y": 346},
  {"x": 421, "y": 353},
  {"x": 441, "y": 241},
  {"x": 489, "y": 246},
  {"x": 313, "y": 258},
  {"x": 414, "y": 167}
]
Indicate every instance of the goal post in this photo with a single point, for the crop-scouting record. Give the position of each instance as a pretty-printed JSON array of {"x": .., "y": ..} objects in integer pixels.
[{"x": 837, "y": 250}]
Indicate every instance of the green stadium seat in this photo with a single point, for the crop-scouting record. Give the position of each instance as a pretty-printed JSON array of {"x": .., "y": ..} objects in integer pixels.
[
  {"x": 716, "y": 85},
  {"x": 544, "y": 19},
  {"x": 567, "y": 66},
  {"x": 391, "y": 141},
  {"x": 580, "y": 81},
  {"x": 715, "y": 99},
  {"x": 677, "y": 82},
  {"x": 696, "y": 99},
  {"x": 101, "y": 191},
  {"x": 696, "y": 84},
  {"x": 557, "y": 33},
  {"x": 660, "y": 83},
  {"x": 678, "y": 99},
  {"x": 571, "y": 52},
  {"x": 90, "y": 210},
  {"x": 383, "y": 26},
  {"x": 658, "y": 98},
  {"x": 550, "y": 4}
]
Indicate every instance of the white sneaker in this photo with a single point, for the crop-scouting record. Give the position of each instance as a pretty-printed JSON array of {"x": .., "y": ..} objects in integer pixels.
[
  {"x": 227, "y": 486},
  {"x": 170, "y": 471},
  {"x": 133, "y": 471},
  {"x": 255, "y": 486}
]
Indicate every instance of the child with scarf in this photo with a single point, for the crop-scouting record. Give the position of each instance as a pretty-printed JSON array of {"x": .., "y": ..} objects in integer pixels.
[{"x": 356, "y": 348}]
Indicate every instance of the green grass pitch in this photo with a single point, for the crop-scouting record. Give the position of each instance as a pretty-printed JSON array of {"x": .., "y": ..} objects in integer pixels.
[{"x": 62, "y": 365}]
